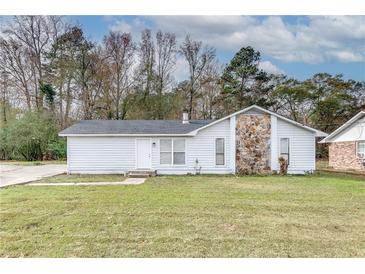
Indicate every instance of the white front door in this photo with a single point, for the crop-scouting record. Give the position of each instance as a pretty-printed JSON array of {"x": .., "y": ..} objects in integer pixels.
[{"x": 143, "y": 153}]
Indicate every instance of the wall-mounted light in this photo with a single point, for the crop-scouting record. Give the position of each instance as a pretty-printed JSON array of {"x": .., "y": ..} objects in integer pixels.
[{"x": 153, "y": 144}]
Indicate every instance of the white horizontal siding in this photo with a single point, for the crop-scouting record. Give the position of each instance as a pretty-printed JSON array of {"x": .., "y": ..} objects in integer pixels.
[
  {"x": 302, "y": 146},
  {"x": 201, "y": 147},
  {"x": 252, "y": 112},
  {"x": 117, "y": 154},
  {"x": 101, "y": 154}
]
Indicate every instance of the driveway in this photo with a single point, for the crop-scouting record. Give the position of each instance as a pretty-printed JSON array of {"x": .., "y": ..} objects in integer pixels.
[{"x": 16, "y": 174}]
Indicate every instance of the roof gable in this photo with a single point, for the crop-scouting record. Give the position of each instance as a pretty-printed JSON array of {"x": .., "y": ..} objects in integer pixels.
[
  {"x": 262, "y": 110},
  {"x": 344, "y": 127}
]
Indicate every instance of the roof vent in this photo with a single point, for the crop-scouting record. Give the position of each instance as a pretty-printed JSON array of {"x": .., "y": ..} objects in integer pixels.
[{"x": 185, "y": 119}]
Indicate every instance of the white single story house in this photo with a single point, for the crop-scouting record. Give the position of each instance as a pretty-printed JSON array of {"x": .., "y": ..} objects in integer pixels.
[
  {"x": 247, "y": 141},
  {"x": 347, "y": 144}
]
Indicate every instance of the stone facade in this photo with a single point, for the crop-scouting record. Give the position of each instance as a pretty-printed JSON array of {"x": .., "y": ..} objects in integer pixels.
[
  {"x": 342, "y": 155},
  {"x": 253, "y": 135}
]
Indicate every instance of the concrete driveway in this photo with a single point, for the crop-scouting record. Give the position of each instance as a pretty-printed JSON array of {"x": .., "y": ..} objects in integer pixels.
[{"x": 17, "y": 174}]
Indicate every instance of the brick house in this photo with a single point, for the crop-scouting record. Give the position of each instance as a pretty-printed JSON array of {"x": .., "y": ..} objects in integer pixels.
[{"x": 347, "y": 145}]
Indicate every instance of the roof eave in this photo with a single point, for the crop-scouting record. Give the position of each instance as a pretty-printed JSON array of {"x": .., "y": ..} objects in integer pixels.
[
  {"x": 123, "y": 135},
  {"x": 317, "y": 132},
  {"x": 343, "y": 127}
]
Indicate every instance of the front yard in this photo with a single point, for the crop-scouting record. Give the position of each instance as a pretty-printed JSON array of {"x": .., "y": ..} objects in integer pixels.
[{"x": 203, "y": 216}]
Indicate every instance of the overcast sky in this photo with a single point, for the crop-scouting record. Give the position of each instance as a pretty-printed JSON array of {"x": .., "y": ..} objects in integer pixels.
[{"x": 298, "y": 46}]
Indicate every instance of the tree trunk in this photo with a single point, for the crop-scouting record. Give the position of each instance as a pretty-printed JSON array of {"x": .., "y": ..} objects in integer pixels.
[
  {"x": 4, "y": 99},
  {"x": 61, "y": 105},
  {"x": 27, "y": 97},
  {"x": 118, "y": 94},
  {"x": 160, "y": 112},
  {"x": 191, "y": 100},
  {"x": 68, "y": 101}
]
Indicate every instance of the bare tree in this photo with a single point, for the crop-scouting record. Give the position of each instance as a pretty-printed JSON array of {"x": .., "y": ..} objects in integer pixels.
[
  {"x": 146, "y": 52},
  {"x": 210, "y": 91},
  {"x": 84, "y": 75},
  {"x": 99, "y": 84},
  {"x": 4, "y": 94},
  {"x": 119, "y": 49},
  {"x": 67, "y": 54},
  {"x": 198, "y": 58},
  {"x": 36, "y": 34},
  {"x": 165, "y": 62},
  {"x": 156, "y": 61},
  {"x": 15, "y": 62}
]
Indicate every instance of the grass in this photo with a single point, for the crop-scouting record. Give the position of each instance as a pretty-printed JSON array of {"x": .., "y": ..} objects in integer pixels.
[
  {"x": 204, "y": 216},
  {"x": 81, "y": 178},
  {"x": 322, "y": 164},
  {"x": 32, "y": 163}
]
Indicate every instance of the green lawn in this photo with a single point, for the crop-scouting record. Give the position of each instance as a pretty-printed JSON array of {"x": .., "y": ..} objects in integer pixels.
[
  {"x": 81, "y": 178},
  {"x": 203, "y": 216},
  {"x": 32, "y": 163},
  {"x": 322, "y": 164}
]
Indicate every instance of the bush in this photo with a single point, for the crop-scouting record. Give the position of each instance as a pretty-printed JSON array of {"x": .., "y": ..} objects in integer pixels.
[
  {"x": 283, "y": 166},
  {"x": 5, "y": 150},
  {"x": 29, "y": 137},
  {"x": 57, "y": 150}
]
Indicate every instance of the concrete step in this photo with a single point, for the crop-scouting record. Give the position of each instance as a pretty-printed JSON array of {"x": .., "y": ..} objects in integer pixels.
[{"x": 141, "y": 173}]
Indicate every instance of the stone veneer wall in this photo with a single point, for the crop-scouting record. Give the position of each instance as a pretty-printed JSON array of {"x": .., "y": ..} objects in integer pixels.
[
  {"x": 253, "y": 135},
  {"x": 342, "y": 155}
]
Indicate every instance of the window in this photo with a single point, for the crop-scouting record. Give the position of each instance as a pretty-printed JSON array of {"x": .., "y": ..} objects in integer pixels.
[
  {"x": 172, "y": 151},
  {"x": 284, "y": 148},
  {"x": 165, "y": 151},
  {"x": 219, "y": 151},
  {"x": 179, "y": 151},
  {"x": 360, "y": 149}
]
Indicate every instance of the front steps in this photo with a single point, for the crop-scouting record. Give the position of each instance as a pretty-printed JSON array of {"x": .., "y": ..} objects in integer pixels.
[{"x": 141, "y": 173}]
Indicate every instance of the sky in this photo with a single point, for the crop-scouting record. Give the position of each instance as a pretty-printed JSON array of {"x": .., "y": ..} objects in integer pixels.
[{"x": 298, "y": 46}]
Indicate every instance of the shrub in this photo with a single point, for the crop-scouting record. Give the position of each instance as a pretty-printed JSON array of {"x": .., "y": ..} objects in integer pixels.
[
  {"x": 29, "y": 137},
  {"x": 56, "y": 150},
  {"x": 283, "y": 166},
  {"x": 5, "y": 150}
]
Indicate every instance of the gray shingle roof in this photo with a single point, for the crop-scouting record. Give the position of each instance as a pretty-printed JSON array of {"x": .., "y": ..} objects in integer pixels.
[{"x": 134, "y": 127}]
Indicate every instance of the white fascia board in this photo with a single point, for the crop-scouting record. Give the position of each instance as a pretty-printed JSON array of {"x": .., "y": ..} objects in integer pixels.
[
  {"x": 126, "y": 135},
  {"x": 274, "y": 143},
  {"x": 223, "y": 118},
  {"x": 318, "y": 133},
  {"x": 343, "y": 127},
  {"x": 232, "y": 140}
]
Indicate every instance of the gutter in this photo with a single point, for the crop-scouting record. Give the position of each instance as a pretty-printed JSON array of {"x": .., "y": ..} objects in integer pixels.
[{"x": 125, "y": 135}]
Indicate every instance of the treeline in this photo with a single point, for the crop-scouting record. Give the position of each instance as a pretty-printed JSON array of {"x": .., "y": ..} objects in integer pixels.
[{"x": 53, "y": 75}]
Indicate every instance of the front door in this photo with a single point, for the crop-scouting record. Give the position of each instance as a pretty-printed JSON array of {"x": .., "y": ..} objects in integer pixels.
[{"x": 143, "y": 153}]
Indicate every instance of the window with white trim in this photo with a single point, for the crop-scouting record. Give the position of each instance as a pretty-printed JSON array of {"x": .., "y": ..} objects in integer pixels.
[
  {"x": 172, "y": 151},
  {"x": 284, "y": 149},
  {"x": 165, "y": 151},
  {"x": 360, "y": 149},
  {"x": 219, "y": 151},
  {"x": 179, "y": 151}
]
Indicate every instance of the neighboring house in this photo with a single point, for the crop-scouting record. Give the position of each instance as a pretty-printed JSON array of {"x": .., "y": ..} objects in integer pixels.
[
  {"x": 248, "y": 141},
  {"x": 347, "y": 144}
]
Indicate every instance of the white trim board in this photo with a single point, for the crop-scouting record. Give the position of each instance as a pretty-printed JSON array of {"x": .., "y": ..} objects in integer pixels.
[
  {"x": 343, "y": 127},
  {"x": 274, "y": 143},
  {"x": 125, "y": 135},
  {"x": 194, "y": 132},
  {"x": 317, "y": 132}
]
